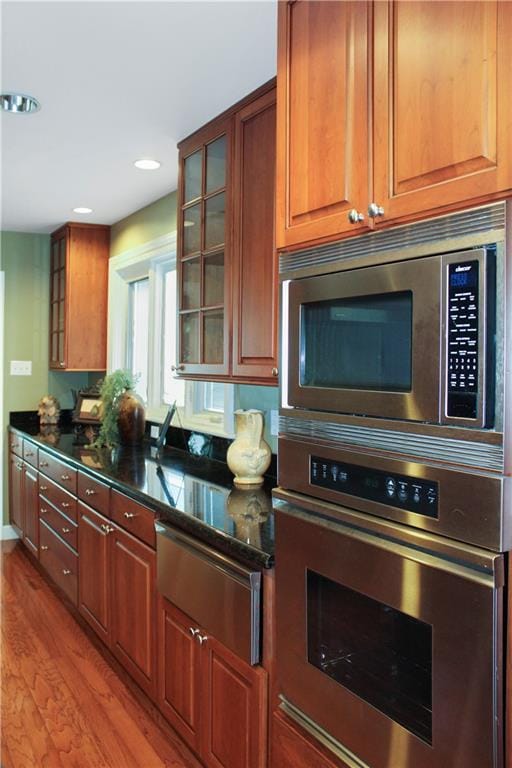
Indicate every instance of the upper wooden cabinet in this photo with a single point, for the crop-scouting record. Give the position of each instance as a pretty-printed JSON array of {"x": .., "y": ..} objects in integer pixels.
[
  {"x": 78, "y": 297},
  {"x": 227, "y": 273},
  {"x": 389, "y": 111}
]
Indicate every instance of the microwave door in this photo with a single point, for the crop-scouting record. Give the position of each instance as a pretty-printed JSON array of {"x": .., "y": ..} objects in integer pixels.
[{"x": 367, "y": 341}]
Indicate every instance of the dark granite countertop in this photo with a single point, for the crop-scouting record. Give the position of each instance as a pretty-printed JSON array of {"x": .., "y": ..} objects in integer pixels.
[{"x": 193, "y": 493}]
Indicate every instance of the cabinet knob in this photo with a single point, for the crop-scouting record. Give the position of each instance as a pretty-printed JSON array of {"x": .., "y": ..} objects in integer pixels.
[
  {"x": 89, "y": 492},
  {"x": 29, "y": 453},
  {"x": 177, "y": 367},
  {"x": 43, "y": 487},
  {"x": 193, "y": 631},
  {"x": 65, "y": 504},
  {"x": 43, "y": 464},
  {"x": 61, "y": 365},
  {"x": 65, "y": 477},
  {"x": 129, "y": 515},
  {"x": 43, "y": 547},
  {"x": 375, "y": 210},
  {"x": 66, "y": 530},
  {"x": 66, "y": 571},
  {"x": 202, "y": 639},
  {"x": 355, "y": 217},
  {"x": 19, "y": 465},
  {"x": 43, "y": 511},
  {"x": 107, "y": 528},
  {"x": 275, "y": 371}
]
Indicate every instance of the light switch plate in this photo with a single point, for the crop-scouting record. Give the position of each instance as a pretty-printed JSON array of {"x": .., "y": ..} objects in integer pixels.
[
  {"x": 274, "y": 422},
  {"x": 21, "y": 367}
]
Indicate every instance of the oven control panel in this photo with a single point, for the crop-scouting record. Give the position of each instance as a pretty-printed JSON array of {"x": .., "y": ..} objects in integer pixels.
[
  {"x": 463, "y": 309},
  {"x": 409, "y": 493}
]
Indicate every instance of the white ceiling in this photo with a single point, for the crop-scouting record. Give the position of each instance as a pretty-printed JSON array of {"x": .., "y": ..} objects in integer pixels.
[{"x": 117, "y": 81}]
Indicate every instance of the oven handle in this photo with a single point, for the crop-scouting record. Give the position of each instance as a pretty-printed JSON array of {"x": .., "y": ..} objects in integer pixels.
[{"x": 462, "y": 560}]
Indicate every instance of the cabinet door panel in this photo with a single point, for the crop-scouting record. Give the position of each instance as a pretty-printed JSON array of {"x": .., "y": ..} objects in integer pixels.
[
  {"x": 322, "y": 128},
  {"x": 133, "y": 607},
  {"x": 442, "y": 103},
  {"x": 234, "y": 730},
  {"x": 16, "y": 492},
  {"x": 31, "y": 503},
  {"x": 178, "y": 672},
  {"x": 93, "y": 570},
  {"x": 255, "y": 262}
]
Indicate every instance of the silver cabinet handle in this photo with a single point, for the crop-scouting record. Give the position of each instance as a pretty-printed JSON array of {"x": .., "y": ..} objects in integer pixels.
[
  {"x": 43, "y": 547},
  {"x": 375, "y": 210},
  {"x": 202, "y": 639},
  {"x": 29, "y": 453},
  {"x": 275, "y": 371},
  {"x": 19, "y": 465},
  {"x": 65, "y": 504},
  {"x": 66, "y": 530},
  {"x": 43, "y": 464},
  {"x": 107, "y": 528},
  {"x": 61, "y": 365},
  {"x": 43, "y": 510},
  {"x": 193, "y": 631},
  {"x": 354, "y": 216},
  {"x": 129, "y": 515},
  {"x": 43, "y": 487},
  {"x": 65, "y": 477},
  {"x": 89, "y": 492},
  {"x": 66, "y": 572}
]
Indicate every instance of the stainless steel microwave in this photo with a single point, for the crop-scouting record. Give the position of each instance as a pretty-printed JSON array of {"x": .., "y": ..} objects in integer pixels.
[{"x": 412, "y": 338}]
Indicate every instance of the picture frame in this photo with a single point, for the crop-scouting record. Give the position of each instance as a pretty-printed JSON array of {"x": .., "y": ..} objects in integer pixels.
[{"x": 88, "y": 408}]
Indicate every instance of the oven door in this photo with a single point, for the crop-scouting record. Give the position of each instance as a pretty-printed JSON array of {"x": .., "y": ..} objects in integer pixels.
[
  {"x": 367, "y": 341},
  {"x": 390, "y": 646}
]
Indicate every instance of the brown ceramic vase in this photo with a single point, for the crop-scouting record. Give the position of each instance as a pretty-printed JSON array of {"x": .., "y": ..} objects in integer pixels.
[{"x": 131, "y": 419}]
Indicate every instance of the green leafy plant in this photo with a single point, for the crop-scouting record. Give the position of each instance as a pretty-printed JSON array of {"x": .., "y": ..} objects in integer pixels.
[{"x": 112, "y": 387}]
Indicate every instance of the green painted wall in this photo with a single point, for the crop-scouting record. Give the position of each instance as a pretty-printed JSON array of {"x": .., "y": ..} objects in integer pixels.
[
  {"x": 25, "y": 259},
  {"x": 146, "y": 224}
]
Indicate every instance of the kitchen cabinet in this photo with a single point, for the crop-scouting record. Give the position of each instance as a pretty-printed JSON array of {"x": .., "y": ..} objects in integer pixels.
[
  {"x": 291, "y": 747},
  {"x": 227, "y": 272},
  {"x": 382, "y": 119},
  {"x": 117, "y": 593},
  {"x": 16, "y": 493},
  {"x": 78, "y": 297},
  {"x": 215, "y": 700},
  {"x": 31, "y": 505},
  {"x": 23, "y": 498}
]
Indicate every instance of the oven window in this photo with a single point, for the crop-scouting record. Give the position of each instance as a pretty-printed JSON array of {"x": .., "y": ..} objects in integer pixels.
[
  {"x": 358, "y": 343},
  {"x": 382, "y": 655}
]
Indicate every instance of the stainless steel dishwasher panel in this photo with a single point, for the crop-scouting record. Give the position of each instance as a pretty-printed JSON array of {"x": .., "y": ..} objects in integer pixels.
[{"x": 221, "y": 595}]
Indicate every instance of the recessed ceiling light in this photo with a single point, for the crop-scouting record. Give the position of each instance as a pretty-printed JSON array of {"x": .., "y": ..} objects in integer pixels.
[
  {"x": 82, "y": 210},
  {"x": 147, "y": 165},
  {"x": 19, "y": 103}
]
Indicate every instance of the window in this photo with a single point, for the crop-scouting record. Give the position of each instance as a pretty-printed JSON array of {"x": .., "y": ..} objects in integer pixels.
[{"x": 142, "y": 338}]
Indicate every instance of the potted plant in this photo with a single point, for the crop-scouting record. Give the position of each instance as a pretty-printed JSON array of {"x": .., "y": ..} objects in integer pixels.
[{"x": 123, "y": 419}]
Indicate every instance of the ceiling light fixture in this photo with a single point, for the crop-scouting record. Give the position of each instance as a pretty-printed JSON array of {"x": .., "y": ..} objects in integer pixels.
[
  {"x": 82, "y": 210},
  {"x": 147, "y": 165},
  {"x": 19, "y": 103}
]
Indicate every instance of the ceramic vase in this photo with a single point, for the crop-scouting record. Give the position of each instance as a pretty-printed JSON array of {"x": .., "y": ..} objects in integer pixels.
[
  {"x": 248, "y": 455},
  {"x": 131, "y": 418}
]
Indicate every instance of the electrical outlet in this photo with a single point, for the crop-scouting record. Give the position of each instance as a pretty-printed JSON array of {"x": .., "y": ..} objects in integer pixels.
[
  {"x": 274, "y": 422},
  {"x": 155, "y": 429},
  {"x": 21, "y": 367}
]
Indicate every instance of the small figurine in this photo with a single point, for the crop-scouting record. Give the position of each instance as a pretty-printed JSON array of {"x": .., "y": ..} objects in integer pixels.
[{"x": 48, "y": 410}]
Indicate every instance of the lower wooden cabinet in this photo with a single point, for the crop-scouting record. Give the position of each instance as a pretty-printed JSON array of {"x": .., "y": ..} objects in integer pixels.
[
  {"x": 293, "y": 748},
  {"x": 215, "y": 700},
  {"x": 31, "y": 505},
  {"x": 117, "y": 593},
  {"x": 16, "y": 487}
]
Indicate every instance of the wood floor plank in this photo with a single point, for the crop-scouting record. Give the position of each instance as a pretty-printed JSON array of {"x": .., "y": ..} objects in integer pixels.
[{"x": 63, "y": 706}]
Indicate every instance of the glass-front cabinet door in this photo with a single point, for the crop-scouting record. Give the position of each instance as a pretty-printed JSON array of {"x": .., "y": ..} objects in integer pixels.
[
  {"x": 204, "y": 243},
  {"x": 58, "y": 302}
]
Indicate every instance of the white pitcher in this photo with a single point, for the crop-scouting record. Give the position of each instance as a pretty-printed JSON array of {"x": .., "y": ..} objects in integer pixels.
[{"x": 248, "y": 455}]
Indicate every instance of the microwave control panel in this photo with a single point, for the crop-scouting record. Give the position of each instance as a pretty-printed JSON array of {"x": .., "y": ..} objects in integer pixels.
[
  {"x": 402, "y": 491},
  {"x": 463, "y": 321}
]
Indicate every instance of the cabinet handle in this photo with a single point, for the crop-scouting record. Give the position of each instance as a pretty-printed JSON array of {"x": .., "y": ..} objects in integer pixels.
[
  {"x": 193, "y": 631},
  {"x": 202, "y": 639},
  {"x": 177, "y": 367},
  {"x": 66, "y": 530},
  {"x": 89, "y": 492},
  {"x": 355, "y": 217},
  {"x": 65, "y": 504},
  {"x": 43, "y": 464},
  {"x": 275, "y": 371},
  {"x": 107, "y": 528},
  {"x": 43, "y": 511},
  {"x": 19, "y": 465},
  {"x": 29, "y": 453},
  {"x": 66, "y": 572},
  {"x": 375, "y": 210},
  {"x": 43, "y": 487},
  {"x": 61, "y": 365},
  {"x": 43, "y": 547},
  {"x": 129, "y": 515},
  {"x": 65, "y": 477}
]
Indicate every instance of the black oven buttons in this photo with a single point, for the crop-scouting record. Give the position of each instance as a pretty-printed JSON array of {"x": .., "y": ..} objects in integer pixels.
[
  {"x": 409, "y": 493},
  {"x": 462, "y": 383}
]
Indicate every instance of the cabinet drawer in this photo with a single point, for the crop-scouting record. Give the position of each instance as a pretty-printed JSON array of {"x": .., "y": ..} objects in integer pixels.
[
  {"x": 59, "y": 471},
  {"x": 65, "y": 528},
  {"x": 16, "y": 444},
  {"x": 61, "y": 499},
  {"x": 94, "y": 493},
  {"x": 133, "y": 517},
  {"x": 30, "y": 453},
  {"x": 59, "y": 561}
]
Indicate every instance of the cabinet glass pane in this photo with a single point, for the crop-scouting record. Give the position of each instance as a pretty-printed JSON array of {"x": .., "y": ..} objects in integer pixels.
[
  {"x": 192, "y": 173},
  {"x": 214, "y": 280},
  {"x": 190, "y": 338},
  {"x": 62, "y": 283},
  {"x": 192, "y": 229},
  {"x": 55, "y": 286},
  {"x": 216, "y": 165},
  {"x": 191, "y": 290},
  {"x": 54, "y": 347},
  {"x": 62, "y": 252},
  {"x": 61, "y": 315},
  {"x": 61, "y": 346},
  {"x": 55, "y": 256},
  {"x": 215, "y": 209},
  {"x": 55, "y": 316},
  {"x": 213, "y": 330}
]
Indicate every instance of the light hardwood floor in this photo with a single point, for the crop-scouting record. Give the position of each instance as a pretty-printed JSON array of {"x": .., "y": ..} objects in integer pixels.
[{"x": 62, "y": 704}]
